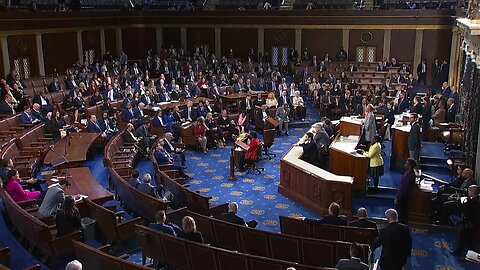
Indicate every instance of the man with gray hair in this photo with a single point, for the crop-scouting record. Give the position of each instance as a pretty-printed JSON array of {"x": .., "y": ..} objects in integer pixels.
[
  {"x": 396, "y": 243},
  {"x": 74, "y": 265},
  {"x": 283, "y": 117},
  {"x": 146, "y": 188}
]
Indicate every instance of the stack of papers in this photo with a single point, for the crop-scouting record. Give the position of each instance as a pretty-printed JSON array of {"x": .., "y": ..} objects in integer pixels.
[
  {"x": 426, "y": 185},
  {"x": 472, "y": 256}
]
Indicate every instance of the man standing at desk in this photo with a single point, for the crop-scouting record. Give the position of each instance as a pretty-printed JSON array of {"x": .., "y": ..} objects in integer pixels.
[{"x": 414, "y": 138}]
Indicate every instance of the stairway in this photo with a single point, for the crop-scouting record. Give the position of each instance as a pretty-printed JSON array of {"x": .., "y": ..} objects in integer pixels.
[{"x": 433, "y": 161}]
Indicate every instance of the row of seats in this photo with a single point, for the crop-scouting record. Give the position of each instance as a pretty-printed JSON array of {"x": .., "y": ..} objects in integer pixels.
[
  {"x": 35, "y": 233},
  {"x": 307, "y": 251},
  {"x": 5, "y": 260},
  {"x": 179, "y": 253}
]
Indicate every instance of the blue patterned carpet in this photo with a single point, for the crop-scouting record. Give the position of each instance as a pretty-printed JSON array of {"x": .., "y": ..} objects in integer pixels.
[{"x": 259, "y": 199}]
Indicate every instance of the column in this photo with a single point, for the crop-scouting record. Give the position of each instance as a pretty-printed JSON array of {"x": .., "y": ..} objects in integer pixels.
[
  {"x": 387, "y": 38},
  {"x": 159, "y": 35},
  {"x": 261, "y": 41},
  {"x": 41, "y": 62},
  {"x": 80, "y": 46},
  {"x": 5, "y": 56},
  {"x": 103, "y": 49},
  {"x": 183, "y": 38},
  {"x": 453, "y": 64},
  {"x": 218, "y": 42},
  {"x": 118, "y": 37},
  {"x": 346, "y": 40},
  {"x": 298, "y": 41},
  {"x": 417, "y": 57}
]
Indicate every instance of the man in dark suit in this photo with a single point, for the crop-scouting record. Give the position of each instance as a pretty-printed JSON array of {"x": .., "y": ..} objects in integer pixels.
[
  {"x": 54, "y": 86},
  {"x": 284, "y": 99},
  {"x": 162, "y": 157},
  {"x": 422, "y": 72},
  {"x": 163, "y": 226},
  {"x": 138, "y": 111},
  {"x": 146, "y": 188},
  {"x": 71, "y": 83},
  {"x": 396, "y": 243},
  {"x": 37, "y": 112},
  {"x": 402, "y": 104},
  {"x": 189, "y": 113},
  {"x": 7, "y": 106},
  {"x": 44, "y": 102},
  {"x": 310, "y": 153},
  {"x": 451, "y": 111},
  {"x": 362, "y": 221},
  {"x": 178, "y": 154},
  {"x": 232, "y": 217},
  {"x": 354, "y": 263},
  {"x": 134, "y": 181},
  {"x": 333, "y": 217},
  {"x": 127, "y": 113},
  {"x": 27, "y": 118},
  {"x": 94, "y": 127},
  {"x": 414, "y": 138},
  {"x": 143, "y": 132}
]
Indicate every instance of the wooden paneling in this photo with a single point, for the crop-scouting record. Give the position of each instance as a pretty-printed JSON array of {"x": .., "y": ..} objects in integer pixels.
[
  {"x": 436, "y": 44},
  {"x": 59, "y": 51},
  {"x": 91, "y": 41},
  {"x": 24, "y": 47},
  {"x": 137, "y": 41},
  {"x": 201, "y": 36},
  {"x": 320, "y": 42},
  {"x": 355, "y": 39},
  {"x": 171, "y": 36},
  {"x": 402, "y": 45},
  {"x": 111, "y": 42},
  {"x": 2, "y": 70},
  {"x": 230, "y": 40},
  {"x": 283, "y": 37}
]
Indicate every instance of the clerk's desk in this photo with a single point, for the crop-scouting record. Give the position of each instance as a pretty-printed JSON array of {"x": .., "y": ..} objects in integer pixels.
[
  {"x": 312, "y": 186},
  {"x": 343, "y": 157},
  {"x": 400, "y": 131}
]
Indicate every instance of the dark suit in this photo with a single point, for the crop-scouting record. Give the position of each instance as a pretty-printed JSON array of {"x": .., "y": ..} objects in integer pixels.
[
  {"x": 93, "y": 127},
  {"x": 284, "y": 99},
  {"x": 129, "y": 137},
  {"x": 414, "y": 138},
  {"x": 168, "y": 228},
  {"x": 54, "y": 87},
  {"x": 5, "y": 108},
  {"x": 396, "y": 243},
  {"x": 402, "y": 105},
  {"x": 351, "y": 264},
  {"x": 450, "y": 114},
  {"x": 27, "y": 118},
  {"x": 329, "y": 219},
  {"x": 233, "y": 218},
  {"x": 364, "y": 223},
  {"x": 147, "y": 189}
]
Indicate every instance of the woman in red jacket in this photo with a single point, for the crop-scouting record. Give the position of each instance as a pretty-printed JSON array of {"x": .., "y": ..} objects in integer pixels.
[
  {"x": 251, "y": 152},
  {"x": 200, "y": 133}
]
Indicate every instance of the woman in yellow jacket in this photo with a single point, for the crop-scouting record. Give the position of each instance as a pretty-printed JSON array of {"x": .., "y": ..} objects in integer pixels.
[{"x": 375, "y": 169}]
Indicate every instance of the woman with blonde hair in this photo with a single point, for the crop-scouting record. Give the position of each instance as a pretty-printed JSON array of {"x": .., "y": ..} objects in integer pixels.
[
  {"x": 190, "y": 230},
  {"x": 271, "y": 100},
  {"x": 299, "y": 106}
]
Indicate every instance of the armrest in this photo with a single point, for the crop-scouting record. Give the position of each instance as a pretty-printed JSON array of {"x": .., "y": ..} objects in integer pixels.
[
  {"x": 105, "y": 248},
  {"x": 25, "y": 125},
  {"x": 68, "y": 237},
  {"x": 17, "y": 128},
  {"x": 27, "y": 203},
  {"x": 124, "y": 256}
]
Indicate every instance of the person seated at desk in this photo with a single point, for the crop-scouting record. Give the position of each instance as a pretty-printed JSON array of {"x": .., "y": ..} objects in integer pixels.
[
  {"x": 470, "y": 222},
  {"x": 15, "y": 190},
  {"x": 363, "y": 222},
  {"x": 251, "y": 152},
  {"x": 53, "y": 199},
  {"x": 161, "y": 225},
  {"x": 354, "y": 263},
  {"x": 310, "y": 153},
  {"x": 27, "y": 117},
  {"x": 107, "y": 126},
  {"x": 444, "y": 204},
  {"x": 67, "y": 218},
  {"x": 146, "y": 188},
  {"x": 232, "y": 217},
  {"x": 37, "y": 112},
  {"x": 163, "y": 158},
  {"x": 190, "y": 230},
  {"x": 129, "y": 135},
  {"x": 8, "y": 106},
  {"x": 178, "y": 154},
  {"x": 374, "y": 153},
  {"x": 333, "y": 217}
]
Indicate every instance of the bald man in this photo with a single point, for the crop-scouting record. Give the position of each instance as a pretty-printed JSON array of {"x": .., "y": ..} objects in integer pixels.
[{"x": 363, "y": 222}]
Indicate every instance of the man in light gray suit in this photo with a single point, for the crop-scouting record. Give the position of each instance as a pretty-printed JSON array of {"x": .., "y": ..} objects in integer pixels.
[
  {"x": 369, "y": 126},
  {"x": 53, "y": 199},
  {"x": 354, "y": 263},
  {"x": 283, "y": 118}
]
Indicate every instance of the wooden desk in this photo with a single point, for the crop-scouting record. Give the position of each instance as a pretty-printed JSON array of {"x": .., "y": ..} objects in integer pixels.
[
  {"x": 76, "y": 152},
  {"x": 350, "y": 126},
  {"x": 150, "y": 110},
  {"x": 83, "y": 182},
  {"x": 345, "y": 161},
  {"x": 236, "y": 97},
  {"x": 312, "y": 186},
  {"x": 419, "y": 206},
  {"x": 399, "y": 153}
]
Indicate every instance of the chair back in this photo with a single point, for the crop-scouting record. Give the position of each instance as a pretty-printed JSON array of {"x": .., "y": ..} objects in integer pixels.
[{"x": 268, "y": 137}]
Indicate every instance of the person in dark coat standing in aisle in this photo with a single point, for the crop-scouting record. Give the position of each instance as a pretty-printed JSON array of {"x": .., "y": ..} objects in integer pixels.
[
  {"x": 396, "y": 242},
  {"x": 407, "y": 182}
]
